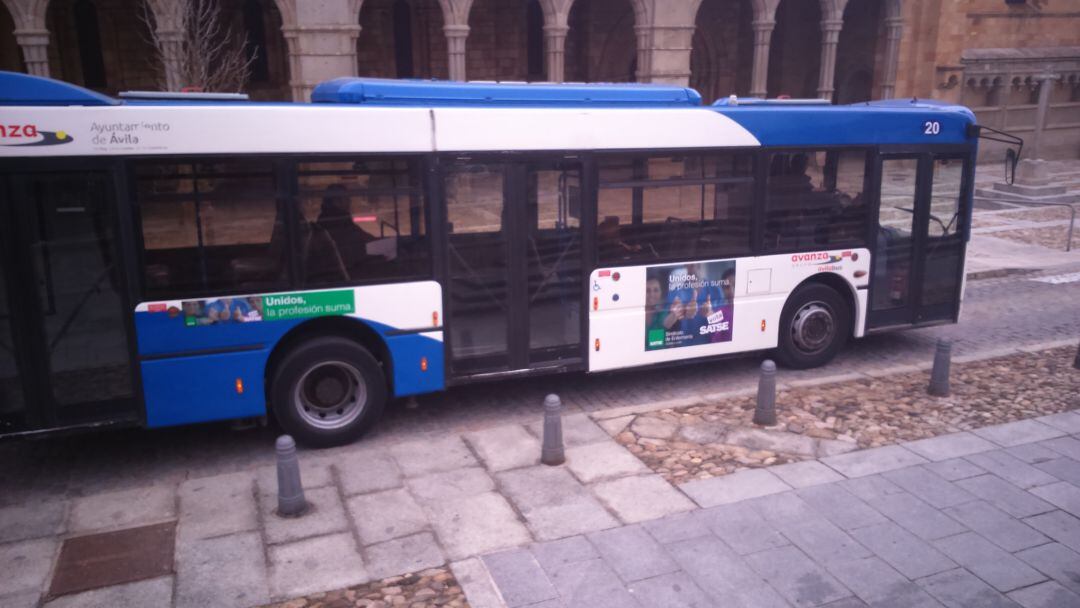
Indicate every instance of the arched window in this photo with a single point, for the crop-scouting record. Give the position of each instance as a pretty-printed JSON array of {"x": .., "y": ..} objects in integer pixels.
[
  {"x": 255, "y": 43},
  {"x": 534, "y": 31},
  {"x": 88, "y": 35},
  {"x": 403, "y": 39}
]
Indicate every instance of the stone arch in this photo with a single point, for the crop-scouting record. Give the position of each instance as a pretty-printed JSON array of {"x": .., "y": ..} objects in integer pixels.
[
  {"x": 602, "y": 42},
  {"x": 795, "y": 53},
  {"x": 721, "y": 58},
  {"x": 378, "y": 43},
  {"x": 860, "y": 52}
]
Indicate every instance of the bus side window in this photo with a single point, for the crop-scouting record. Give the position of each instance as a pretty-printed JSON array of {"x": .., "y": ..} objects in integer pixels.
[
  {"x": 815, "y": 200},
  {"x": 210, "y": 225}
]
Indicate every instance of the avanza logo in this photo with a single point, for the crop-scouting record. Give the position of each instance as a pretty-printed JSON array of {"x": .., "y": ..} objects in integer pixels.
[
  {"x": 30, "y": 135},
  {"x": 801, "y": 258}
]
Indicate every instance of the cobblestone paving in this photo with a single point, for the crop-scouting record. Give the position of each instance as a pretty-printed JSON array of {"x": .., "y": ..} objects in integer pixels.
[
  {"x": 990, "y": 518},
  {"x": 434, "y": 587},
  {"x": 714, "y": 439}
]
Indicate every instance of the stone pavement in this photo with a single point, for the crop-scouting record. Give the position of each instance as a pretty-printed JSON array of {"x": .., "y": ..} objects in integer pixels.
[{"x": 983, "y": 518}]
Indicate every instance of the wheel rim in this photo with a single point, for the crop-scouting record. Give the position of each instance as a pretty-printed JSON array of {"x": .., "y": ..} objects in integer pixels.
[
  {"x": 813, "y": 327},
  {"x": 330, "y": 395}
]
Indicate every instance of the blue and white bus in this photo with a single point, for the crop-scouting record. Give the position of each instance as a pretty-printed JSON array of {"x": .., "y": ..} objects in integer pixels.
[{"x": 176, "y": 259}]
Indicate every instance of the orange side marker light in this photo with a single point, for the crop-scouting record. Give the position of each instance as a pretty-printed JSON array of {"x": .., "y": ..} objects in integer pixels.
[
  {"x": 239, "y": 386},
  {"x": 597, "y": 345},
  {"x": 423, "y": 364},
  {"x": 435, "y": 318},
  {"x": 763, "y": 325},
  {"x": 595, "y": 303}
]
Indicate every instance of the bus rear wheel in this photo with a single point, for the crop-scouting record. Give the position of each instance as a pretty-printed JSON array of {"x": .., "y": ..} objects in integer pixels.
[
  {"x": 814, "y": 326},
  {"x": 328, "y": 391}
]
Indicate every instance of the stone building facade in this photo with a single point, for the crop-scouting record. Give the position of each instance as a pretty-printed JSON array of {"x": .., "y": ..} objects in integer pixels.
[{"x": 1016, "y": 62}]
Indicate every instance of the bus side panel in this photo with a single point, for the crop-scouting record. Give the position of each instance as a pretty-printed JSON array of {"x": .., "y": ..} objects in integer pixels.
[
  {"x": 418, "y": 365},
  {"x": 203, "y": 388},
  {"x": 622, "y": 328}
]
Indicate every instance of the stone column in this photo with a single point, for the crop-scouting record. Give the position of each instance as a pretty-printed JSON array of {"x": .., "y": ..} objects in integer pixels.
[
  {"x": 894, "y": 30},
  {"x": 456, "y": 34},
  {"x": 759, "y": 79},
  {"x": 35, "y": 49},
  {"x": 318, "y": 52},
  {"x": 555, "y": 51},
  {"x": 669, "y": 54},
  {"x": 1046, "y": 86},
  {"x": 643, "y": 35},
  {"x": 830, "y": 39},
  {"x": 172, "y": 45}
]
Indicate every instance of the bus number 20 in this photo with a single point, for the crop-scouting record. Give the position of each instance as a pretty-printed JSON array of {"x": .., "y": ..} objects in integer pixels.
[{"x": 931, "y": 127}]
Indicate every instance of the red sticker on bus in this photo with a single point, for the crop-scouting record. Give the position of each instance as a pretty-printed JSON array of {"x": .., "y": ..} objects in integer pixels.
[
  {"x": 158, "y": 307},
  {"x": 604, "y": 273}
]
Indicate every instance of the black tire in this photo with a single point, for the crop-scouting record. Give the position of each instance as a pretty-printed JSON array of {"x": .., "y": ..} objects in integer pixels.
[
  {"x": 328, "y": 391},
  {"x": 814, "y": 326}
]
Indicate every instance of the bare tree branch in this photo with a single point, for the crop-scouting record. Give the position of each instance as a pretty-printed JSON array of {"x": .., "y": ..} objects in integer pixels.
[{"x": 197, "y": 49}]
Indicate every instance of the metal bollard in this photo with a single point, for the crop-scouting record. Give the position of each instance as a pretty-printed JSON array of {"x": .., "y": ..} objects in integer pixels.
[
  {"x": 939, "y": 375},
  {"x": 291, "y": 502},
  {"x": 765, "y": 412},
  {"x": 1076, "y": 361},
  {"x": 552, "y": 453}
]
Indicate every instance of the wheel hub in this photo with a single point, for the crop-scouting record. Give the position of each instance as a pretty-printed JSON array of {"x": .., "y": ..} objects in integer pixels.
[
  {"x": 330, "y": 395},
  {"x": 813, "y": 327}
]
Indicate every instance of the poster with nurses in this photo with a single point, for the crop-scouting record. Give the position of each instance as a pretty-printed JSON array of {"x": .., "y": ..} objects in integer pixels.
[{"x": 689, "y": 304}]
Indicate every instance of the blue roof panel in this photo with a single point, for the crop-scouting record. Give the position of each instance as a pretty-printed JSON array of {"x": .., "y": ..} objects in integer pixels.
[
  {"x": 426, "y": 93},
  {"x": 25, "y": 90}
]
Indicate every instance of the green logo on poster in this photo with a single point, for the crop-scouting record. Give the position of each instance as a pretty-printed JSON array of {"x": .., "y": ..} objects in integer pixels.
[
  {"x": 656, "y": 338},
  {"x": 300, "y": 305}
]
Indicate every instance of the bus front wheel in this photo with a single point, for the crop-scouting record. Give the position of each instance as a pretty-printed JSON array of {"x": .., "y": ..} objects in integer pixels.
[
  {"x": 328, "y": 391},
  {"x": 814, "y": 326}
]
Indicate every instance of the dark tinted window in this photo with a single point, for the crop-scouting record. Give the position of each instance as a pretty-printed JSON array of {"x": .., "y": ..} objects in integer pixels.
[
  {"x": 210, "y": 226},
  {"x": 814, "y": 200},
  {"x": 362, "y": 220},
  {"x": 673, "y": 207}
]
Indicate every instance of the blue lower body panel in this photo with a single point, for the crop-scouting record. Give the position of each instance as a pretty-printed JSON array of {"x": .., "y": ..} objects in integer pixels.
[
  {"x": 202, "y": 388},
  {"x": 406, "y": 353}
]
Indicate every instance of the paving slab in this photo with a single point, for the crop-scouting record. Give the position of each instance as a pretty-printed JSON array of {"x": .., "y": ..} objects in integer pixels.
[
  {"x": 823, "y": 541},
  {"x": 577, "y": 429},
  {"x": 1017, "y": 433},
  {"x": 605, "y": 460},
  {"x": 325, "y": 515},
  {"x": 913, "y": 557},
  {"x": 678, "y": 527},
  {"x": 879, "y": 585},
  {"x": 740, "y": 485},
  {"x": 641, "y": 498},
  {"x": 476, "y": 525},
  {"x": 451, "y": 485},
  {"x": 153, "y": 592},
  {"x": 872, "y": 487},
  {"x": 996, "y": 526},
  {"x": 1065, "y": 421},
  {"x": 554, "y": 504},
  {"x": 725, "y": 576},
  {"x": 228, "y": 571},
  {"x": 315, "y": 564},
  {"x": 520, "y": 578},
  {"x": 382, "y": 516},
  {"x": 1064, "y": 468},
  {"x": 475, "y": 580},
  {"x": 783, "y": 509},
  {"x": 555, "y": 553},
  {"x": 365, "y": 471},
  {"x": 929, "y": 487},
  {"x": 988, "y": 561},
  {"x": 422, "y": 457},
  {"x": 314, "y": 473},
  {"x": 916, "y": 516},
  {"x": 1058, "y": 525},
  {"x": 1005, "y": 496},
  {"x": 632, "y": 553},
  {"x": 953, "y": 445},
  {"x": 742, "y": 528},
  {"x": 216, "y": 506},
  {"x": 591, "y": 584},
  {"x": 797, "y": 577},
  {"x": 1056, "y": 561},
  {"x": 36, "y": 520},
  {"x": 960, "y": 588},
  {"x": 26, "y": 565},
  {"x": 123, "y": 509},
  {"x": 1011, "y": 469},
  {"x": 840, "y": 506},
  {"x": 676, "y": 590},
  {"x": 775, "y": 441},
  {"x": 1033, "y": 453},
  {"x": 403, "y": 555},
  {"x": 614, "y": 426},
  {"x": 805, "y": 474},
  {"x": 505, "y": 447},
  {"x": 1046, "y": 595},
  {"x": 1066, "y": 446},
  {"x": 954, "y": 469},
  {"x": 873, "y": 460}
]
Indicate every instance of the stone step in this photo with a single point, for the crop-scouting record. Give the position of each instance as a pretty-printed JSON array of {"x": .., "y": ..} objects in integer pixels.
[{"x": 1006, "y": 197}]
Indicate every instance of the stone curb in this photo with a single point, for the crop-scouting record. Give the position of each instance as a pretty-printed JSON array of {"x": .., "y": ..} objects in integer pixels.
[{"x": 643, "y": 408}]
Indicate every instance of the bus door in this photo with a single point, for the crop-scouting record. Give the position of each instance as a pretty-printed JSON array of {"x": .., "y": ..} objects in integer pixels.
[
  {"x": 919, "y": 253},
  {"x": 514, "y": 260},
  {"x": 65, "y": 354}
]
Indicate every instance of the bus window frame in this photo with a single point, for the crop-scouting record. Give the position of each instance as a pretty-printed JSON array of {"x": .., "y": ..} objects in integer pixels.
[{"x": 286, "y": 179}]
